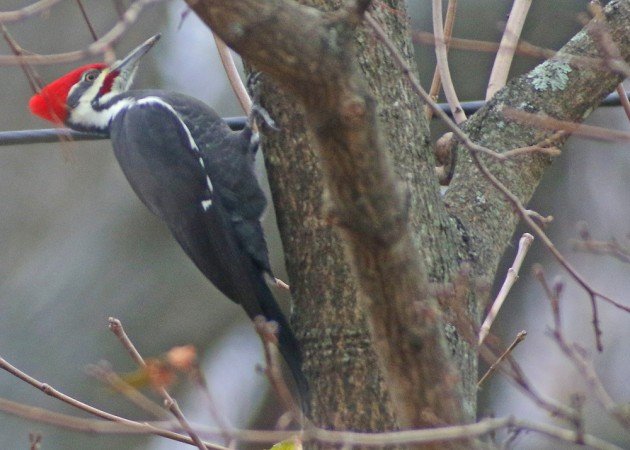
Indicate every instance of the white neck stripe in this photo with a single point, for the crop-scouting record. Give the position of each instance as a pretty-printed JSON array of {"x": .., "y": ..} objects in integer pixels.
[{"x": 84, "y": 115}]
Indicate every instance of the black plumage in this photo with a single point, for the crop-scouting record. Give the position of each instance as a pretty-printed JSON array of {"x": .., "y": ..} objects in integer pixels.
[{"x": 159, "y": 140}]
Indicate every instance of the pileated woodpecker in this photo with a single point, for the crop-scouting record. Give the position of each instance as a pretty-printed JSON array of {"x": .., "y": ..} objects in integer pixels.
[{"x": 189, "y": 168}]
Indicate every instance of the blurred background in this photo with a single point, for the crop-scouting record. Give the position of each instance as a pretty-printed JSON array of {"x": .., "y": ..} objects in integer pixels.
[{"x": 77, "y": 247}]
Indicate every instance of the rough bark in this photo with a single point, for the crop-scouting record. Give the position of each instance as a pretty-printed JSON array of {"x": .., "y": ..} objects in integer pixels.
[
  {"x": 313, "y": 57},
  {"x": 348, "y": 391},
  {"x": 336, "y": 147},
  {"x": 487, "y": 220}
]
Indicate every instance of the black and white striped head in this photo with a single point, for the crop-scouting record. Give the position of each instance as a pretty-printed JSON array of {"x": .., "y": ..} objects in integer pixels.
[{"x": 82, "y": 98}]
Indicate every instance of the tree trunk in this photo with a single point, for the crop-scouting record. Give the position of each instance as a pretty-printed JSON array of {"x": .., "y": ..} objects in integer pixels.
[
  {"x": 348, "y": 390},
  {"x": 394, "y": 244}
]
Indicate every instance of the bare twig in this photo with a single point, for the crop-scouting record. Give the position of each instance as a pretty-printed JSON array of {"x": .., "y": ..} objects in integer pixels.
[
  {"x": 106, "y": 375},
  {"x": 475, "y": 149},
  {"x": 523, "y": 247},
  {"x": 47, "y": 135},
  {"x": 120, "y": 421},
  {"x": 517, "y": 375},
  {"x": 531, "y": 223},
  {"x": 34, "y": 81},
  {"x": 232, "y": 73},
  {"x": 527, "y": 49},
  {"x": 237, "y": 123},
  {"x": 520, "y": 337},
  {"x": 415, "y": 84},
  {"x": 546, "y": 146},
  {"x": 578, "y": 356},
  {"x": 604, "y": 41},
  {"x": 564, "y": 435},
  {"x": 436, "y": 82},
  {"x": 425, "y": 436},
  {"x": 509, "y": 41},
  {"x": 441, "y": 54},
  {"x": 623, "y": 96},
  {"x": 35, "y": 439},
  {"x": 529, "y": 149},
  {"x": 578, "y": 129},
  {"x": 202, "y": 383},
  {"x": 169, "y": 402},
  {"x": 267, "y": 333},
  {"x": 23, "y": 13},
  {"x": 473, "y": 45},
  {"x": 612, "y": 247},
  {"x": 100, "y": 47},
  {"x": 87, "y": 20}
]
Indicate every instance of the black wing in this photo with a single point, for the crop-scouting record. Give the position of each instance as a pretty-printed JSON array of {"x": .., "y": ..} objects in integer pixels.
[
  {"x": 230, "y": 157},
  {"x": 166, "y": 169},
  {"x": 168, "y": 172}
]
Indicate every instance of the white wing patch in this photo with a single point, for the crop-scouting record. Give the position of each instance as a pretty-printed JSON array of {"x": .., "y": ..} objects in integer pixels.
[{"x": 205, "y": 204}]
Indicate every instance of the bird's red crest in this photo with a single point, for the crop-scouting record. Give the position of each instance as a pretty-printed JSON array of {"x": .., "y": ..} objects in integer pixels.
[{"x": 50, "y": 102}]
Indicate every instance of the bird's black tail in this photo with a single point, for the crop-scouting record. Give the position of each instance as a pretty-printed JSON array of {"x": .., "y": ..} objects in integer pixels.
[{"x": 288, "y": 345}]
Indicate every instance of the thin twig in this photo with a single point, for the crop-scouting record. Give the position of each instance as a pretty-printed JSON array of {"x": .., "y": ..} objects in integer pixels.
[
  {"x": 509, "y": 41},
  {"x": 169, "y": 402},
  {"x": 564, "y": 435},
  {"x": 218, "y": 417},
  {"x": 517, "y": 375},
  {"x": 526, "y": 49},
  {"x": 512, "y": 275},
  {"x": 23, "y": 13},
  {"x": 266, "y": 332},
  {"x": 87, "y": 20},
  {"x": 547, "y": 146},
  {"x": 520, "y": 337},
  {"x": 436, "y": 82},
  {"x": 121, "y": 421},
  {"x": 34, "y": 81},
  {"x": 424, "y": 436},
  {"x": 35, "y": 439},
  {"x": 529, "y": 149},
  {"x": 578, "y": 129},
  {"x": 612, "y": 248},
  {"x": 106, "y": 375},
  {"x": 100, "y": 47},
  {"x": 531, "y": 223},
  {"x": 415, "y": 84},
  {"x": 441, "y": 54},
  {"x": 578, "y": 356},
  {"x": 606, "y": 44},
  {"x": 475, "y": 149},
  {"x": 233, "y": 76},
  {"x": 625, "y": 103},
  {"x": 36, "y": 84}
]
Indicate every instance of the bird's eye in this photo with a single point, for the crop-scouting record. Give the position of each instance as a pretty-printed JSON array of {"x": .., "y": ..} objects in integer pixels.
[{"x": 90, "y": 76}]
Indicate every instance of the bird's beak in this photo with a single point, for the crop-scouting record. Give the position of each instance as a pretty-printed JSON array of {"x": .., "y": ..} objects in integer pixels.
[{"x": 127, "y": 66}]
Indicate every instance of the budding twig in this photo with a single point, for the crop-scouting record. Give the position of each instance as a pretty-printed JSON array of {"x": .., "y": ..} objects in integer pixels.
[
  {"x": 512, "y": 275},
  {"x": 520, "y": 337},
  {"x": 169, "y": 402}
]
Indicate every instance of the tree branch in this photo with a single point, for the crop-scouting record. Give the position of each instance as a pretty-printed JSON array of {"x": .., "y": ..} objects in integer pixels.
[{"x": 555, "y": 88}]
